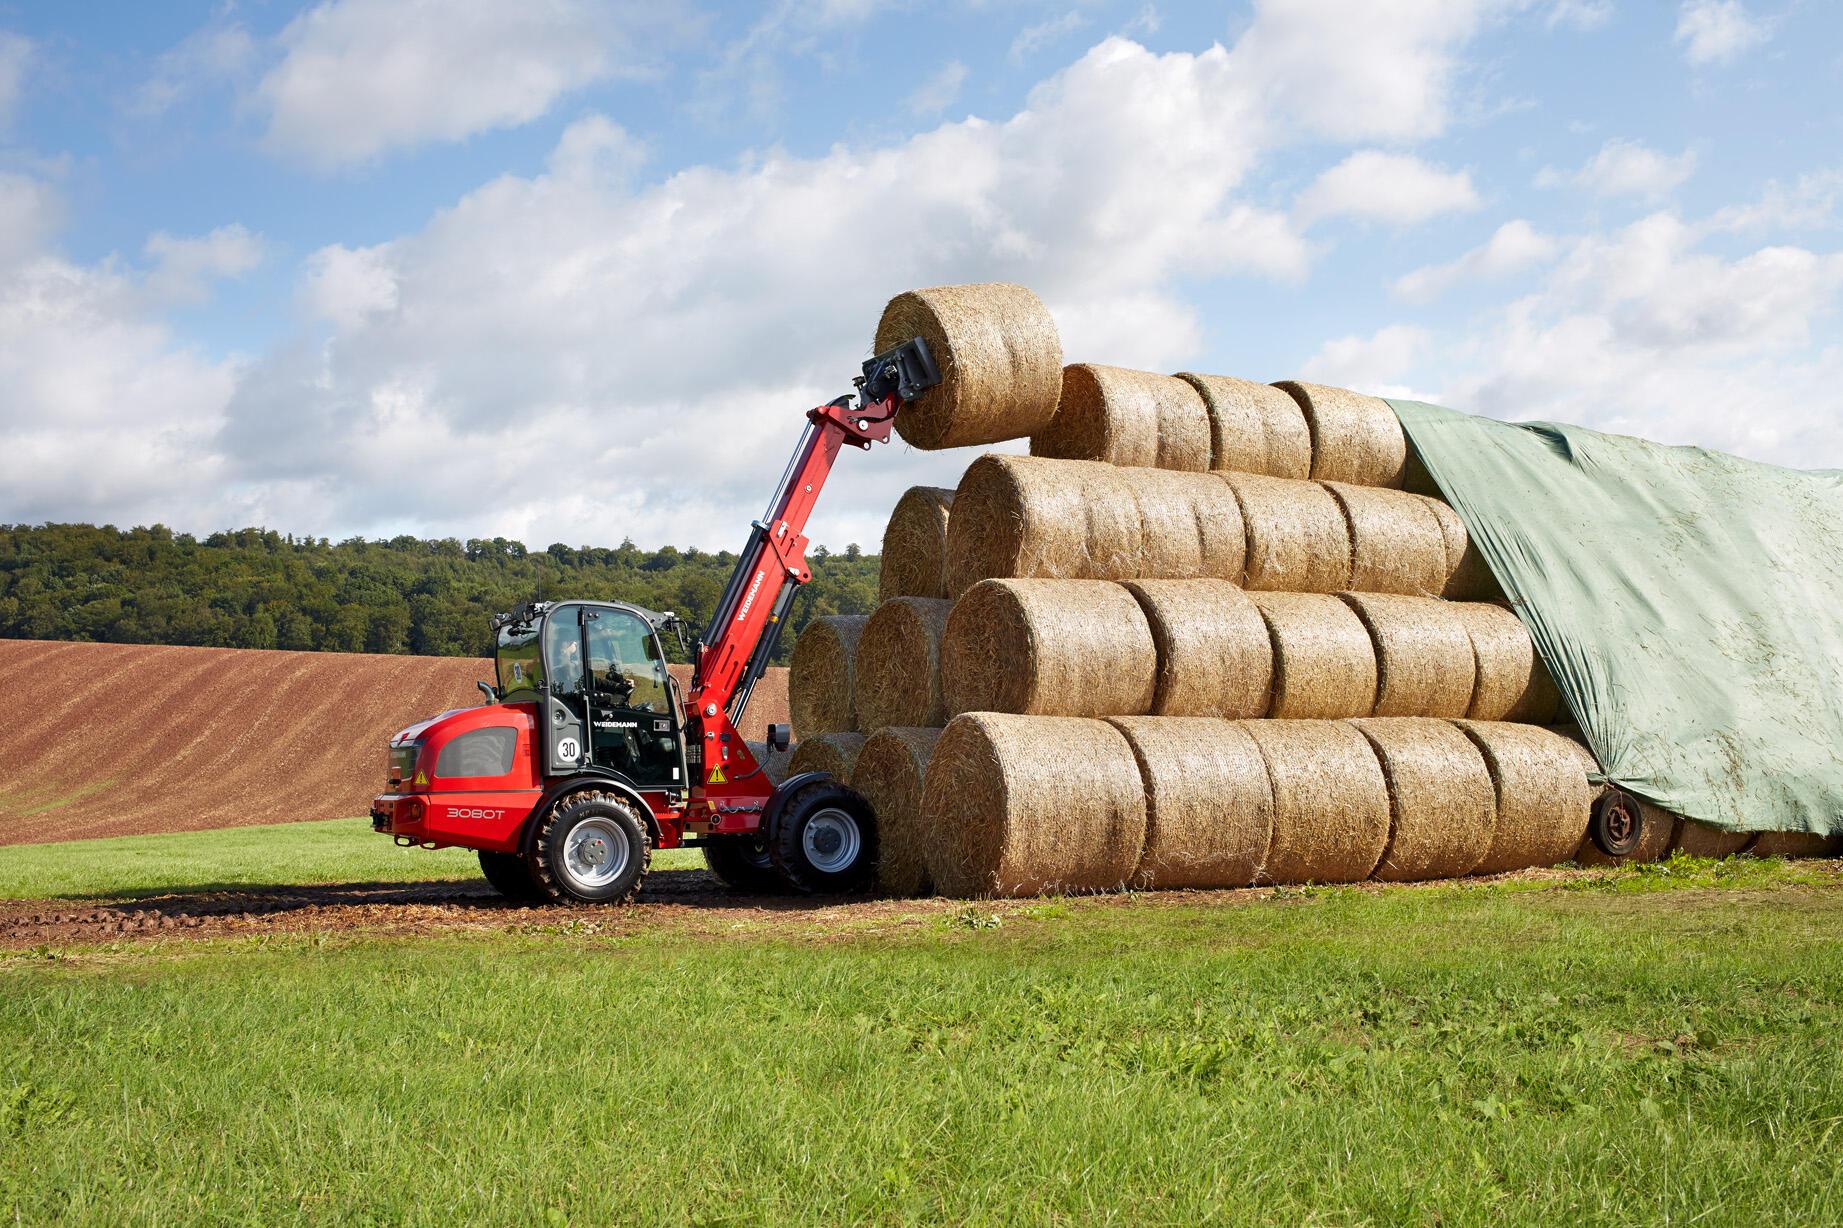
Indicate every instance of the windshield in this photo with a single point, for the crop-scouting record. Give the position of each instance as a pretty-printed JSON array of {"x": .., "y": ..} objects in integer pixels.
[{"x": 517, "y": 660}]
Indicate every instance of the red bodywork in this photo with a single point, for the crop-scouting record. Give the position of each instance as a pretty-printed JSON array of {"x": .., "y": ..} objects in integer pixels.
[{"x": 730, "y": 791}]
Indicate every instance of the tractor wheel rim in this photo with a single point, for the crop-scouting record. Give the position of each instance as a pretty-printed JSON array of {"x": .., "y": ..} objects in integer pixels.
[
  {"x": 831, "y": 841},
  {"x": 594, "y": 854}
]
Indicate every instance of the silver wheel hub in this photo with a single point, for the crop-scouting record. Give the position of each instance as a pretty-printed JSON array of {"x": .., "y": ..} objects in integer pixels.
[
  {"x": 831, "y": 841},
  {"x": 594, "y": 854}
]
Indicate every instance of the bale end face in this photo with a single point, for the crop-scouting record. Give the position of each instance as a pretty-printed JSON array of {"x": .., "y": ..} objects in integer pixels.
[
  {"x": 889, "y": 772},
  {"x": 914, "y": 559},
  {"x": 832, "y": 753},
  {"x": 898, "y": 665},
  {"x": 822, "y": 678}
]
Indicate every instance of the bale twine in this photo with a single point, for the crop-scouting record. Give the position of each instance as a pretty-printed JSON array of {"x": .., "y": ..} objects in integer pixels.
[
  {"x": 1512, "y": 684},
  {"x": 822, "y": 677},
  {"x": 1442, "y": 808},
  {"x": 1396, "y": 545},
  {"x": 1795, "y": 844},
  {"x": 1424, "y": 660},
  {"x": 1209, "y": 804},
  {"x": 1543, "y": 795},
  {"x": 999, "y": 356},
  {"x": 1048, "y": 648},
  {"x": 915, "y": 545},
  {"x": 1355, "y": 438},
  {"x": 1127, "y": 417},
  {"x": 1331, "y": 804},
  {"x": 1254, "y": 428},
  {"x": 1021, "y": 805},
  {"x": 899, "y": 664},
  {"x": 773, "y": 763},
  {"x": 1324, "y": 665},
  {"x": 1297, "y": 538},
  {"x": 1701, "y": 840},
  {"x": 1190, "y": 525},
  {"x": 1030, "y": 517},
  {"x": 1467, "y": 576},
  {"x": 832, "y": 753},
  {"x": 1215, "y": 655},
  {"x": 889, "y": 772}
]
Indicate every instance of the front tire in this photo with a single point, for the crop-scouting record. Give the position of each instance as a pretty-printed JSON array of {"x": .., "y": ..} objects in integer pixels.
[
  {"x": 509, "y": 875},
  {"x": 742, "y": 864},
  {"x": 825, "y": 840},
  {"x": 592, "y": 848}
]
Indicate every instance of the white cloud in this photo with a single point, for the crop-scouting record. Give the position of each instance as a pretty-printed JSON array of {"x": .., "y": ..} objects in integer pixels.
[
  {"x": 1626, "y": 168},
  {"x": 1394, "y": 188},
  {"x": 1813, "y": 201},
  {"x": 1513, "y": 248},
  {"x": 221, "y": 51},
  {"x": 343, "y": 286},
  {"x": 359, "y": 78},
  {"x": 1580, "y": 14},
  {"x": 1032, "y": 39},
  {"x": 16, "y": 53},
  {"x": 1376, "y": 364},
  {"x": 938, "y": 92},
  {"x": 186, "y": 267},
  {"x": 30, "y": 213},
  {"x": 1717, "y": 31}
]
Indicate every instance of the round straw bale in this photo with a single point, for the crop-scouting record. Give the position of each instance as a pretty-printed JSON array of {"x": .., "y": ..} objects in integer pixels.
[
  {"x": 1395, "y": 541},
  {"x": 832, "y": 753},
  {"x": 1467, "y": 576},
  {"x": 1324, "y": 664},
  {"x": 999, "y": 356},
  {"x": 1048, "y": 648},
  {"x": 1442, "y": 809},
  {"x": 1215, "y": 655},
  {"x": 1511, "y": 684},
  {"x": 1030, "y": 517},
  {"x": 1331, "y": 803},
  {"x": 915, "y": 545},
  {"x": 773, "y": 762},
  {"x": 1355, "y": 438},
  {"x": 1298, "y": 540},
  {"x": 1021, "y": 805},
  {"x": 1543, "y": 795},
  {"x": 1209, "y": 805},
  {"x": 1127, "y": 417},
  {"x": 899, "y": 664},
  {"x": 1424, "y": 661},
  {"x": 889, "y": 772},
  {"x": 822, "y": 677},
  {"x": 1190, "y": 525},
  {"x": 1795, "y": 844},
  {"x": 1701, "y": 840},
  {"x": 1254, "y": 428}
]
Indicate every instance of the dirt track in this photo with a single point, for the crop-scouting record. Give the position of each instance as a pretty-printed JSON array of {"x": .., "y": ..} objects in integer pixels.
[{"x": 128, "y": 739}]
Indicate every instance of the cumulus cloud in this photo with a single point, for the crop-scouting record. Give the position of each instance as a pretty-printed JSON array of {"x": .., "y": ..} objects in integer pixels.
[
  {"x": 1033, "y": 38},
  {"x": 1580, "y": 14},
  {"x": 1384, "y": 187},
  {"x": 1377, "y": 364},
  {"x": 938, "y": 92},
  {"x": 15, "y": 59},
  {"x": 1626, "y": 168},
  {"x": 186, "y": 267},
  {"x": 219, "y": 52},
  {"x": 1513, "y": 248},
  {"x": 1717, "y": 31}
]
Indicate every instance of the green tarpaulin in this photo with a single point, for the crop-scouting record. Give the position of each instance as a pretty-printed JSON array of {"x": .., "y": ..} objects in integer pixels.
[{"x": 1689, "y": 604}]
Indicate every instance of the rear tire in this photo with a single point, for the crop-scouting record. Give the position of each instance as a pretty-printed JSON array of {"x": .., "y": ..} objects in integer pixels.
[
  {"x": 592, "y": 848},
  {"x": 509, "y": 875},
  {"x": 742, "y": 864},
  {"x": 825, "y": 839}
]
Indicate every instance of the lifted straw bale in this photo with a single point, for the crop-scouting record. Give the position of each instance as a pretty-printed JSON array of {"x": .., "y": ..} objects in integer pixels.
[{"x": 999, "y": 356}]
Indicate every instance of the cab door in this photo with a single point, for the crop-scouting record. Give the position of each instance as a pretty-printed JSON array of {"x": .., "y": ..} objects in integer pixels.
[
  {"x": 634, "y": 725},
  {"x": 564, "y": 705}
]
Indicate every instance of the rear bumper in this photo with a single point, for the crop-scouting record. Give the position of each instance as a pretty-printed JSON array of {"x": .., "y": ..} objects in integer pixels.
[{"x": 490, "y": 821}]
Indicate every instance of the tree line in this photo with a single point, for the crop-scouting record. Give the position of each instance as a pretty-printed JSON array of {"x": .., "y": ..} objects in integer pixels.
[{"x": 256, "y": 588}]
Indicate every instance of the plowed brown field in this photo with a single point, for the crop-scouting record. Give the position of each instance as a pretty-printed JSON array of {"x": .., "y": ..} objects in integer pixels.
[{"x": 127, "y": 739}]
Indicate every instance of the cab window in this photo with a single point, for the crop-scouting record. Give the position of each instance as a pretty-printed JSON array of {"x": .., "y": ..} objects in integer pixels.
[
  {"x": 517, "y": 658},
  {"x": 624, "y": 662},
  {"x": 479, "y": 752},
  {"x": 563, "y": 652}
]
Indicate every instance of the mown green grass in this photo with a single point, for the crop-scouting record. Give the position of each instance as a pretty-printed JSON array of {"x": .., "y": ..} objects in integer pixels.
[
  {"x": 286, "y": 854},
  {"x": 1613, "y": 1053}
]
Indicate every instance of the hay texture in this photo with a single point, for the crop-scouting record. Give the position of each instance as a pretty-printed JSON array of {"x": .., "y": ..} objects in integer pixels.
[
  {"x": 1701, "y": 840},
  {"x": 822, "y": 677},
  {"x": 1000, "y": 361},
  {"x": 1209, "y": 805},
  {"x": 1127, "y": 417},
  {"x": 1424, "y": 660},
  {"x": 889, "y": 772},
  {"x": 1396, "y": 545},
  {"x": 1254, "y": 428},
  {"x": 1297, "y": 538},
  {"x": 1324, "y": 665},
  {"x": 1190, "y": 525},
  {"x": 1511, "y": 683},
  {"x": 1795, "y": 844},
  {"x": 833, "y": 753},
  {"x": 1467, "y": 576},
  {"x": 899, "y": 664},
  {"x": 1022, "y": 805},
  {"x": 1355, "y": 438},
  {"x": 773, "y": 762},
  {"x": 1331, "y": 803},
  {"x": 1215, "y": 656},
  {"x": 915, "y": 545},
  {"x": 1442, "y": 808},
  {"x": 1048, "y": 648},
  {"x": 1543, "y": 795}
]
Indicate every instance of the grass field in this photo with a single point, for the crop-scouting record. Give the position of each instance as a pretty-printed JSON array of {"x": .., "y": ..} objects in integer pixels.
[{"x": 1631, "y": 1047}]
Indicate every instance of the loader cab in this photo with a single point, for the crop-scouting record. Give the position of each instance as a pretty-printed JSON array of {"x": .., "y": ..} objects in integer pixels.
[{"x": 596, "y": 673}]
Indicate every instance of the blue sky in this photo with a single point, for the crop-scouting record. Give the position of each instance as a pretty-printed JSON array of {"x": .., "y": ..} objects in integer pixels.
[{"x": 572, "y": 270}]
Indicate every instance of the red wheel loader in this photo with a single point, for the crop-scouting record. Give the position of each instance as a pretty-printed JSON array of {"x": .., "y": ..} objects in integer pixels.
[{"x": 585, "y": 756}]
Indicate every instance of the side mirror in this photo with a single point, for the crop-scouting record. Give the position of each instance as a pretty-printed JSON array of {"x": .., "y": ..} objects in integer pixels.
[
  {"x": 779, "y": 736},
  {"x": 490, "y": 691}
]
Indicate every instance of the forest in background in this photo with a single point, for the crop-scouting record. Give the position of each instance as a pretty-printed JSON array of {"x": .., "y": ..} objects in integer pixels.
[{"x": 256, "y": 588}]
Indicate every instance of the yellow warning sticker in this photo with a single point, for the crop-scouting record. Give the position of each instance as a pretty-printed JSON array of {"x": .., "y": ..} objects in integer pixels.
[
  {"x": 716, "y": 775},
  {"x": 421, "y": 779}
]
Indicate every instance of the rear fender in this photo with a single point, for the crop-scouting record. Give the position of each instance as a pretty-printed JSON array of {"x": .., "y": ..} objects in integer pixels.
[{"x": 771, "y": 813}]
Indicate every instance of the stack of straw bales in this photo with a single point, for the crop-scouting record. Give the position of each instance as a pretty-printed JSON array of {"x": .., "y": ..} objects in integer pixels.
[{"x": 1209, "y": 633}]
